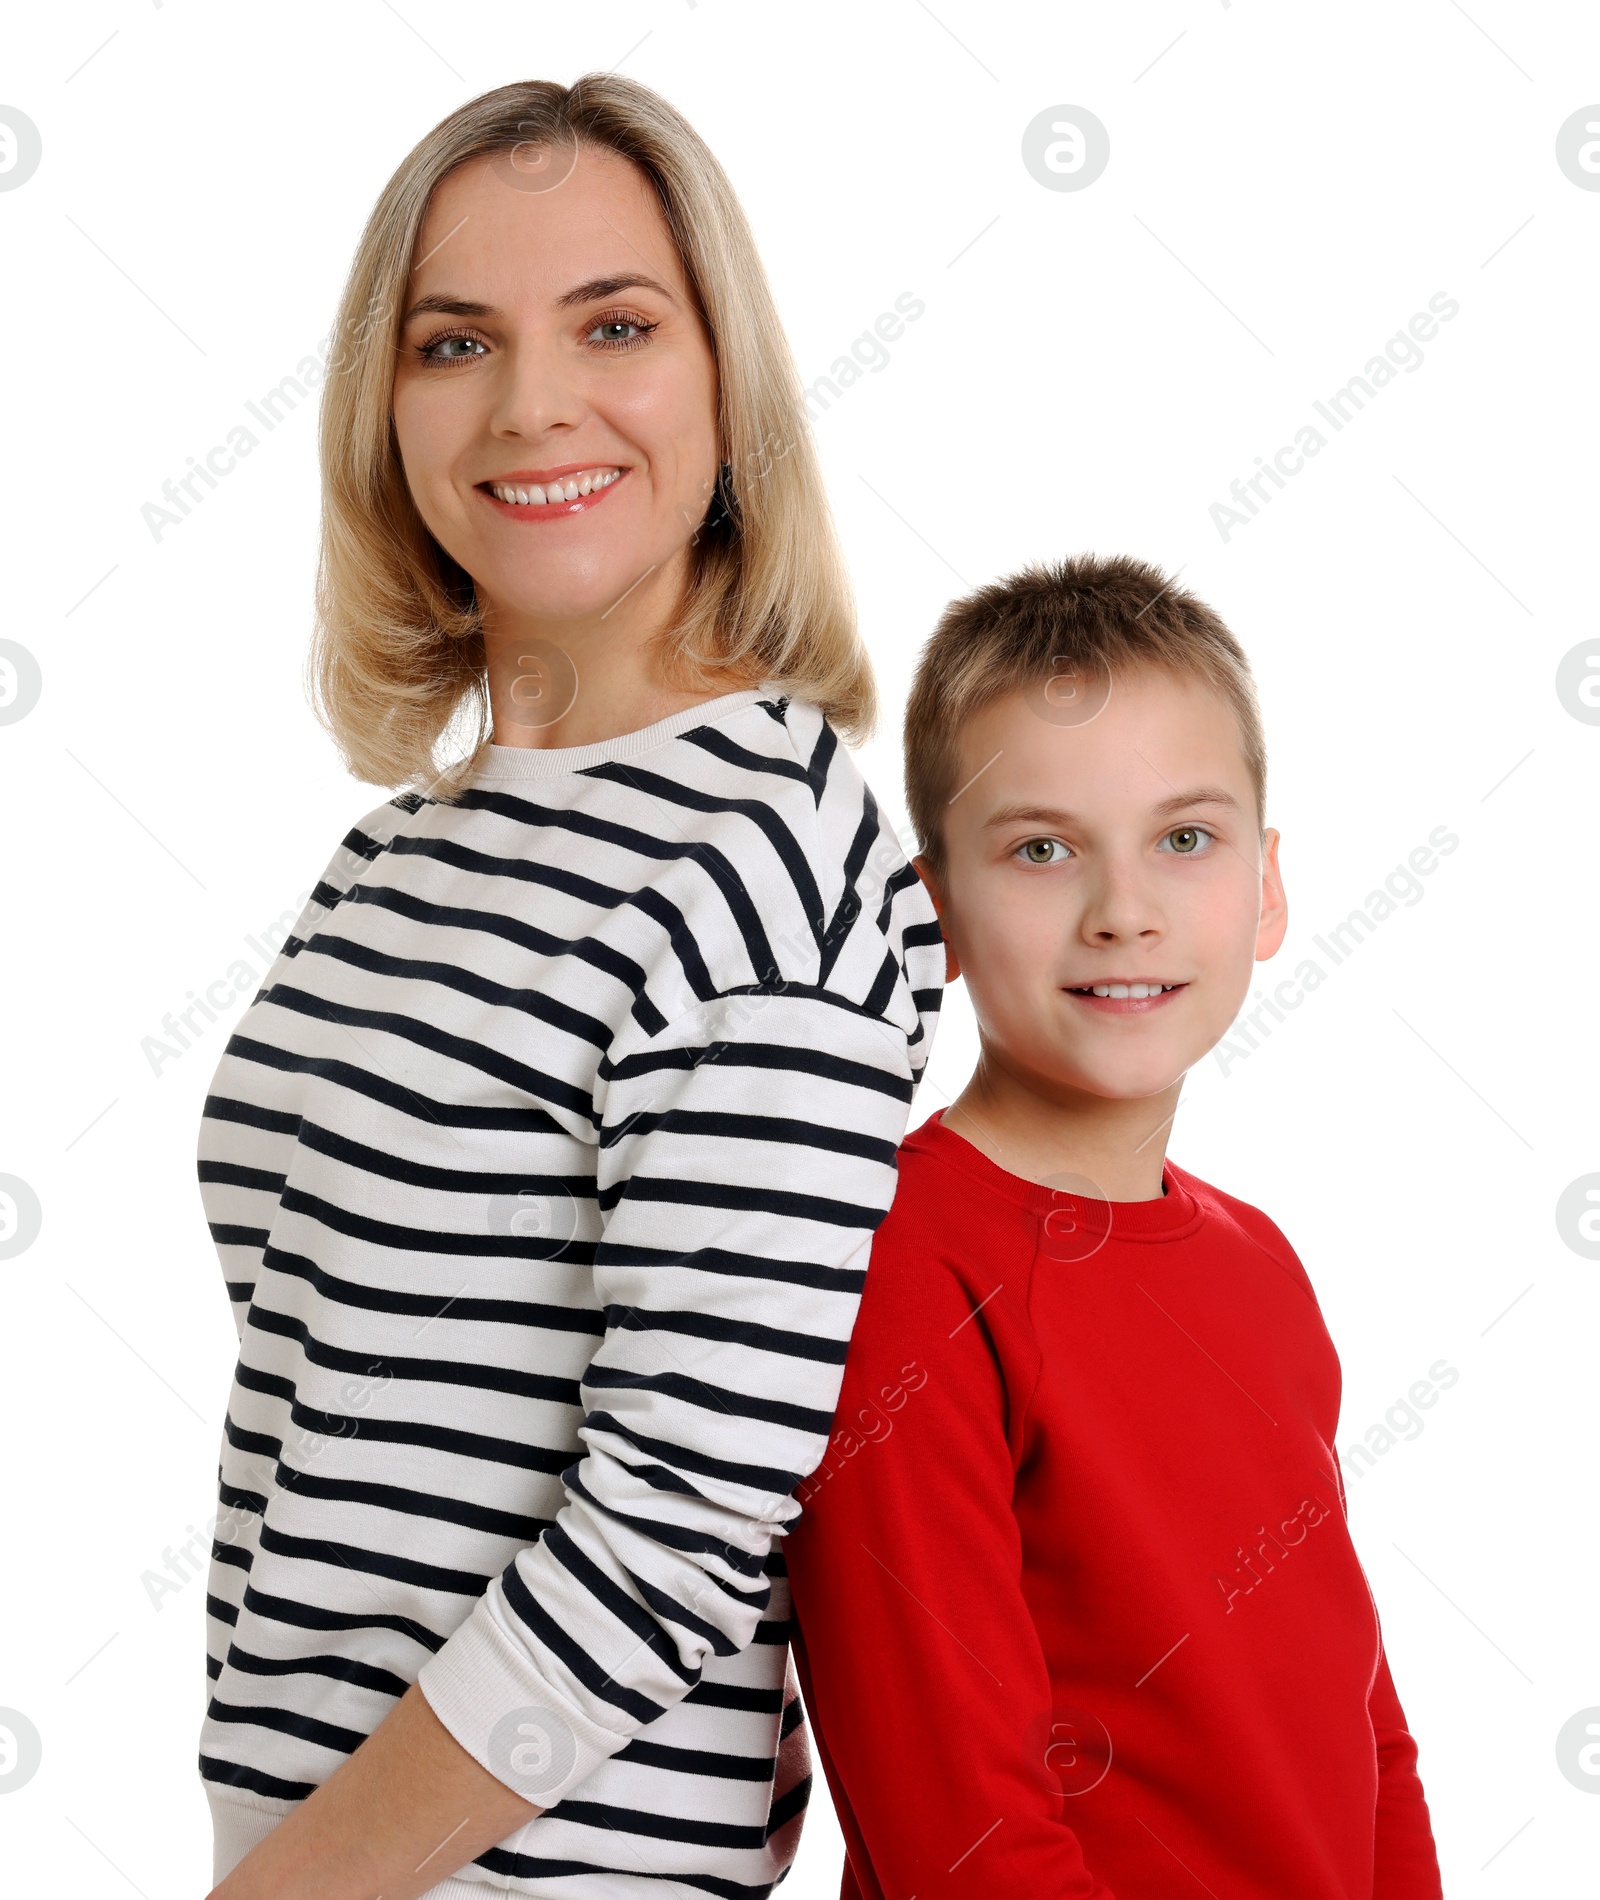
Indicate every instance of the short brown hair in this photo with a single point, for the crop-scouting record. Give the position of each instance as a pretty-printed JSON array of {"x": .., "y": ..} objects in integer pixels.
[{"x": 1100, "y": 615}]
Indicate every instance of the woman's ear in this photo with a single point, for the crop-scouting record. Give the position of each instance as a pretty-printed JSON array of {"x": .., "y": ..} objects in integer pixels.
[{"x": 930, "y": 880}]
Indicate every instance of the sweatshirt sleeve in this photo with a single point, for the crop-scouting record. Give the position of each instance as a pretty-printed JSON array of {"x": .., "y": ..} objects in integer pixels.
[
  {"x": 747, "y": 1154},
  {"x": 1406, "y": 1865},
  {"x": 921, "y": 1664}
]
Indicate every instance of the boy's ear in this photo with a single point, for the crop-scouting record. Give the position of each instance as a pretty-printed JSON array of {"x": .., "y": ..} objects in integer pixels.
[
  {"x": 1274, "y": 923},
  {"x": 930, "y": 880}
]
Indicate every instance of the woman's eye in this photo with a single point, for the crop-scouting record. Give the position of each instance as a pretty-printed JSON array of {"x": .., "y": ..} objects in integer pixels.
[
  {"x": 612, "y": 325},
  {"x": 1042, "y": 851},
  {"x": 1187, "y": 839},
  {"x": 435, "y": 351}
]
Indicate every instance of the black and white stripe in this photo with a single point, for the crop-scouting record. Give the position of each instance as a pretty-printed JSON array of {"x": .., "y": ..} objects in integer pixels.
[{"x": 543, "y": 1172}]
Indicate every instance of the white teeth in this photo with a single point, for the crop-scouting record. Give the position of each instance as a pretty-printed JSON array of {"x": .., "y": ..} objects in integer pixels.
[
  {"x": 569, "y": 488},
  {"x": 1121, "y": 991}
]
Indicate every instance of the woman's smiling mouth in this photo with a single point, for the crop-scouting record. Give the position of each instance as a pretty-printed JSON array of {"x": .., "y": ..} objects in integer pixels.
[{"x": 552, "y": 494}]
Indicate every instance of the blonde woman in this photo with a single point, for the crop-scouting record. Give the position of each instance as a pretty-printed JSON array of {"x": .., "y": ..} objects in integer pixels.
[{"x": 544, "y": 1167}]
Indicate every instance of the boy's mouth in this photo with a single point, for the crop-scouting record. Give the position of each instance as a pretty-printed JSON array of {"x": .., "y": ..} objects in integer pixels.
[{"x": 1133, "y": 997}]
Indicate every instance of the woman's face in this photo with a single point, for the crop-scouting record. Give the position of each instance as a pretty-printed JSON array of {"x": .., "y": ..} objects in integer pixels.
[{"x": 560, "y": 339}]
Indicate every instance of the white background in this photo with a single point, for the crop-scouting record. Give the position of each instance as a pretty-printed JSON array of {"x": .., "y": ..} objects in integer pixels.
[{"x": 1286, "y": 187}]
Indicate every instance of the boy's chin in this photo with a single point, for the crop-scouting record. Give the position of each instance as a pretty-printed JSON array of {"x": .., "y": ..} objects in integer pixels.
[
  {"x": 1140, "y": 1088},
  {"x": 1115, "y": 1080}
]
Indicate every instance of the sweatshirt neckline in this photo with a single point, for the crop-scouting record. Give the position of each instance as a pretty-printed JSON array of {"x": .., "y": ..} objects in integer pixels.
[
  {"x": 1171, "y": 1216},
  {"x": 544, "y": 762}
]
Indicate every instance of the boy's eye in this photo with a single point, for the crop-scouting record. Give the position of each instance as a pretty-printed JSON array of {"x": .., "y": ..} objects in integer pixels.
[
  {"x": 1187, "y": 839},
  {"x": 1042, "y": 851}
]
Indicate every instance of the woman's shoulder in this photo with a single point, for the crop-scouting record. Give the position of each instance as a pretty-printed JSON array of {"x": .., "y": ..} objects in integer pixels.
[
  {"x": 810, "y": 846},
  {"x": 798, "y": 766},
  {"x": 363, "y": 843},
  {"x": 783, "y": 752},
  {"x": 770, "y": 743}
]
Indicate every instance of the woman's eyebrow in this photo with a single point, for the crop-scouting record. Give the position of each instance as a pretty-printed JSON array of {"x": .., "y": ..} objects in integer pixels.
[
  {"x": 440, "y": 303},
  {"x": 599, "y": 287},
  {"x": 444, "y": 306}
]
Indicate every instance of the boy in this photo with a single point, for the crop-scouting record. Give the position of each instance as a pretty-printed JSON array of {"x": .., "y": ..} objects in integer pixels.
[{"x": 1077, "y": 1608}]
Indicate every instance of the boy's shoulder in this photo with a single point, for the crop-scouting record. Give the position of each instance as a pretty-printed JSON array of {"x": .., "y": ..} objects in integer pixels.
[
  {"x": 1246, "y": 1223},
  {"x": 942, "y": 1182},
  {"x": 946, "y": 1237}
]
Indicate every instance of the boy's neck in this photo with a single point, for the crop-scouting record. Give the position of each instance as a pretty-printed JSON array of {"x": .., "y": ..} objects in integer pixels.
[{"x": 1041, "y": 1134}]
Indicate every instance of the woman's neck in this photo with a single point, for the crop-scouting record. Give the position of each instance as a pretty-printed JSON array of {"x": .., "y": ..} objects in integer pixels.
[{"x": 580, "y": 681}]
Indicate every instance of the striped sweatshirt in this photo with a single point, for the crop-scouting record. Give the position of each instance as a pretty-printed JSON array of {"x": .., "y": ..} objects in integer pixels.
[{"x": 543, "y": 1171}]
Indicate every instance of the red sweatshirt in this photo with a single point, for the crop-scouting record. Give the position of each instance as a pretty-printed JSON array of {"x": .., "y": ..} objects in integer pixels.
[{"x": 1077, "y": 1609}]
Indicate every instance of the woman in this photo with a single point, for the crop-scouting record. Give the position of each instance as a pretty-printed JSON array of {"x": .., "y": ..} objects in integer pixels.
[{"x": 544, "y": 1166}]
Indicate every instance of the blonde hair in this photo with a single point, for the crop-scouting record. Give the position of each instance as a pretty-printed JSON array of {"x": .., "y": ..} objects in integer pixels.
[
  {"x": 1100, "y": 616},
  {"x": 397, "y": 658}
]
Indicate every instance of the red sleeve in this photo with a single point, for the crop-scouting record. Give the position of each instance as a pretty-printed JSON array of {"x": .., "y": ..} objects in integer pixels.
[
  {"x": 921, "y": 1664},
  {"x": 1406, "y": 1864}
]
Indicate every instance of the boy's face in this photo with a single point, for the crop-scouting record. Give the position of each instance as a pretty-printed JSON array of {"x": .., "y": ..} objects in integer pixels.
[{"x": 1121, "y": 851}]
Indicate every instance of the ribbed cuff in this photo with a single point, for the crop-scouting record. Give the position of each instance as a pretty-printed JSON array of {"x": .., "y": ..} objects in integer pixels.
[
  {"x": 507, "y": 1716},
  {"x": 237, "y": 1826}
]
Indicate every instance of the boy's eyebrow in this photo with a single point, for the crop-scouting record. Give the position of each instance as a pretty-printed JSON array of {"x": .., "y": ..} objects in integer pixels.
[
  {"x": 1202, "y": 795},
  {"x": 441, "y": 304},
  {"x": 1054, "y": 815}
]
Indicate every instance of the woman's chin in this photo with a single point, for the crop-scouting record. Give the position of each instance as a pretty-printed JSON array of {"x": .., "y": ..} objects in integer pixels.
[{"x": 577, "y": 584}]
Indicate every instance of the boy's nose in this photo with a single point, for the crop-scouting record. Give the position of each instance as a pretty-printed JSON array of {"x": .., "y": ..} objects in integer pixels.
[{"x": 1119, "y": 907}]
